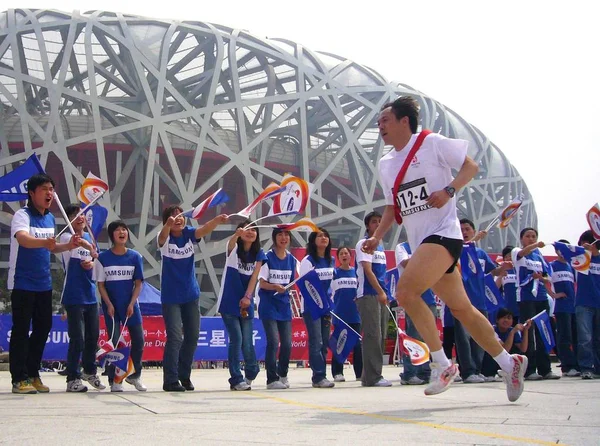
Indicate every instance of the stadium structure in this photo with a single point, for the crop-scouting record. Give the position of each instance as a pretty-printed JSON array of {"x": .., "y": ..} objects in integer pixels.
[{"x": 167, "y": 112}]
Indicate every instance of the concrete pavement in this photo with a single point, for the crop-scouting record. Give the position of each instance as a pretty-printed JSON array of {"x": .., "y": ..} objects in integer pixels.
[{"x": 565, "y": 411}]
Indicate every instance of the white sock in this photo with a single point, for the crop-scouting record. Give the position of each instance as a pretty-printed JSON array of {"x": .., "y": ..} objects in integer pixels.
[
  {"x": 440, "y": 358},
  {"x": 505, "y": 361}
]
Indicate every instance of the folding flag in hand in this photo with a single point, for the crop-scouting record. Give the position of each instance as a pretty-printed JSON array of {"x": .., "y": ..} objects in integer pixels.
[
  {"x": 342, "y": 341},
  {"x": 391, "y": 279},
  {"x": 304, "y": 224},
  {"x": 577, "y": 256},
  {"x": 316, "y": 301},
  {"x": 469, "y": 262},
  {"x": 219, "y": 197},
  {"x": 593, "y": 218},
  {"x": 294, "y": 197},
  {"x": 417, "y": 351},
  {"x": 91, "y": 189},
  {"x": 542, "y": 320},
  {"x": 494, "y": 299},
  {"x": 13, "y": 185},
  {"x": 507, "y": 214},
  {"x": 121, "y": 359}
]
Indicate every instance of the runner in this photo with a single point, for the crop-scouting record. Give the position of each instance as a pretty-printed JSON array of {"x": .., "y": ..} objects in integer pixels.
[{"x": 426, "y": 196}]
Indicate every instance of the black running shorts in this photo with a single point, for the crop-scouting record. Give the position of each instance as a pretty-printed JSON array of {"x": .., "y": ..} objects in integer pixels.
[{"x": 454, "y": 247}]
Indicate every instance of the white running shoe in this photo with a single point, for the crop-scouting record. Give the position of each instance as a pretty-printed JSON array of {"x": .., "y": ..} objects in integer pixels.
[
  {"x": 572, "y": 373},
  {"x": 441, "y": 378},
  {"x": 137, "y": 383},
  {"x": 276, "y": 385},
  {"x": 94, "y": 381},
  {"x": 473, "y": 379},
  {"x": 249, "y": 381},
  {"x": 339, "y": 379},
  {"x": 516, "y": 379},
  {"x": 76, "y": 386},
  {"x": 285, "y": 381},
  {"x": 240, "y": 386},
  {"x": 324, "y": 384},
  {"x": 383, "y": 383},
  {"x": 414, "y": 381},
  {"x": 116, "y": 387}
]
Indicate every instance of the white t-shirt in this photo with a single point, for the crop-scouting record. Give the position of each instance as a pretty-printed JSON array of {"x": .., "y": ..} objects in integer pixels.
[{"x": 429, "y": 171}]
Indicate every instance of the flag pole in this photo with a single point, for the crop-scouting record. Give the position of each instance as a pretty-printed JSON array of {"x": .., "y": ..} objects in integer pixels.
[
  {"x": 64, "y": 214},
  {"x": 346, "y": 324},
  {"x": 89, "y": 205}
]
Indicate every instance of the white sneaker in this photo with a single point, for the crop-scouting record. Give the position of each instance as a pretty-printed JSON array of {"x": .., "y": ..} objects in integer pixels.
[
  {"x": 137, "y": 383},
  {"x": 441, "y": 378},
  {"x": 473, "y": 379},
  {"x": 249, "y": 381},
  {"x": 458, "y": 379},
  {"x": 76, "y": 386},
  {"x": 276, "y": 385},
  {"x": 414, "y": 381},
  {"x": 285, "y": 381},
  {"x": 516, "y": 379},
  {"x": 116, "y": 387},
  {"x": 324, "y": 384},
  {"x": 94, "y": 381},
  {"x": 571, "y": 373},
  {"x": 339, "y": 379},
  {"x": 383, "y": 383},
  {"x": 489, "y": 379},
  {"x": 240, "y": 386}
]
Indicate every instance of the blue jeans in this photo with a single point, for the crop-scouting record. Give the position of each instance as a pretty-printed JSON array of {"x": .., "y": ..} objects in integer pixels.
[
  {"x": 136, "y": 334},
  {"x": 240, "y": 331},
  {"x": 566, "y": 340},
  {"x": 470, "y": 354},
  {"x": 277, "y": 332},
  {"x": 420, "y": 371},
  {"x": 536, "y": 351},
  {"x": 84, "y": 330},
  {"x": 588, "y": 338},
  {"x": 318, "y": 341},
  {"x": 338, "y": 368},
  {"x": 182, "y": 324}
]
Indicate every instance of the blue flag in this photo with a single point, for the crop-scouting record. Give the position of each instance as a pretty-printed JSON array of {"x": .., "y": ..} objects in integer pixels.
[
  {"x": 118, "y": 357},
  {"x": 542, "y": 320},
  {"x": 569, "y": 251},
  {"x": 96, "y": 217},
  {"x": 13, "y": 185},
  {"x": 316, "y": 301},
  {"x": 342, "y": 341},
  {"x": 469, "y": 262},
  {"x": 494, "y": 299},
  {"x": 391, "y": 280}
]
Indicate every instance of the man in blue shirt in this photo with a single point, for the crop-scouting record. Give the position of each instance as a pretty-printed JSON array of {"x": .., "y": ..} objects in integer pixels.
[{"x": 32, "y": 241}]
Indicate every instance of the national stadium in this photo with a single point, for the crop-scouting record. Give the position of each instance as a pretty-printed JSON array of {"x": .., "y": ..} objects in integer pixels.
[{"x": 167, "y": 112}]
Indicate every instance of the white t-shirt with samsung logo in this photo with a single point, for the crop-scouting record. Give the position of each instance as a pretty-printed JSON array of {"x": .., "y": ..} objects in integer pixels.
[{"x": 429, "y": 171}]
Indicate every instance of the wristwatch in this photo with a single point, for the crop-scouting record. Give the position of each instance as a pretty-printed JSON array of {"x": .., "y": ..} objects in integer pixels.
[{"x": 450, "y": 191}]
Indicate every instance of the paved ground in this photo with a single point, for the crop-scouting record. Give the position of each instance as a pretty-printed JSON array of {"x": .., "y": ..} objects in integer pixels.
[{"x": 565, "y": 411}]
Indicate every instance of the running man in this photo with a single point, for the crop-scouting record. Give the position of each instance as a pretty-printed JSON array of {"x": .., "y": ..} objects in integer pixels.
[{"x": 426, "y": 200}]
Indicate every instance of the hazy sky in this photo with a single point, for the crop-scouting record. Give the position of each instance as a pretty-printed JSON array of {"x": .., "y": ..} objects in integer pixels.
[{"x": 524, "y": 72}]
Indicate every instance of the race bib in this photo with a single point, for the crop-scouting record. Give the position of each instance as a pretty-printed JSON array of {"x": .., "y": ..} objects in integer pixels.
[{"x": 412, "y": 197}]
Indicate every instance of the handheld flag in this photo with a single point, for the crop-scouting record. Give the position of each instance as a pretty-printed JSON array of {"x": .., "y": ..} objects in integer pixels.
[
  {"x": 507, "y": 214},
  {"x": 95, "y": 217},
  {"x": 542, "y": 321},
  {"x": 391, "y": 279},
  {"x": 417, "y": 351},
  {"x": 577, "y": 256},
  {"x": 304, "y": 224},
  {"x": 91, "y": 188},
  {"x": 469, "y": 262},
  {"x": 121, "y": 359},
  {"x": 272, "y": 190},
  {"x": 219, "y": 197},
  {"x": 13, "y": 185},
  {"x": 342, "y": 341},
  {"x": 494, "y": 299},
  {"x": 295, "y": 197},
  {"x": 593, "y": 219},
  {"x": 316, "y": 301}
]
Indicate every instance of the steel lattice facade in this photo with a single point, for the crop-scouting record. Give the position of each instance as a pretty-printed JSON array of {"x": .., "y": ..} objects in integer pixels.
[{"x": 167, "y": 111}]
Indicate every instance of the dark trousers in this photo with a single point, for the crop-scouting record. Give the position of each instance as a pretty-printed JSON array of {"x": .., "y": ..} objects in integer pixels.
[
  {"x": 29, "y": 308},
  {"x": 279, "y": 335},
  {"x": 469, "y": 352},
  {"x": 338, "y": 368},
  {"x": 83, "y": 326},
  {"x": 448, "y": 341},
  {"x": 536, "y": 351},
  {"x": 566, "y": 339}
]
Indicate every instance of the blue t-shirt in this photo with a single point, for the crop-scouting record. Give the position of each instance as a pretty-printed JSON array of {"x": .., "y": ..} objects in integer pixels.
[
  {"x": 503, "y": 336},
  {"x": 324, "y": 270},
  {"x": 119, "y": 273},
  {"x": 588, "y": 286},
  {"x": 475, "y": 283},
  {"x": 509, "y": 289},
  {"x": 178, "y": 282},
  {"x": 278, "y": 271},
  {"x": 344, "y": 287},
  {"x": 528, "y": 288},
  {"x": 563, "y": 279},
  {"x": 235, "y": 280},
  {"x": 79, "y": 287},
  {"x": 378, "y": 265},
  {"x": 29, "y": 268}
]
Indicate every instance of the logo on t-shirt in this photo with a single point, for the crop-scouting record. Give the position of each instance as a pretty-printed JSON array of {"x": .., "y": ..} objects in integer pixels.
[
  {"x": 119, "y": 273},
  {"x": 41, "y": 232}
]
